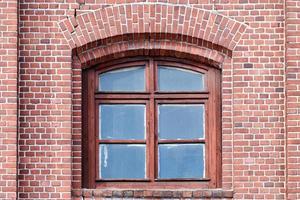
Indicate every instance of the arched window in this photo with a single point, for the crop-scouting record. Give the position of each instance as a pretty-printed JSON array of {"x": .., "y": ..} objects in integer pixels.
[{"x": 151, "y": 122}]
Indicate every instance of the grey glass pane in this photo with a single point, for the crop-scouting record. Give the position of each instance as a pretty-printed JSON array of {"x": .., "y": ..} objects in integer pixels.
[
  {"x": 122, "y": 121},
  {"x": 181, "y": 121},
  {"x": 122, "y": 161},
  {"x": 178, "y": 79},
  {"x": 181, "y": 161},
  {"x": 128, "y": 79}
]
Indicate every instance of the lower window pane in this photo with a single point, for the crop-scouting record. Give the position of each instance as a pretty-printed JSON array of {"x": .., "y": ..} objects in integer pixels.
[
  {"x": 181, "y": 161},
  {"x": 122, "y": 161}
]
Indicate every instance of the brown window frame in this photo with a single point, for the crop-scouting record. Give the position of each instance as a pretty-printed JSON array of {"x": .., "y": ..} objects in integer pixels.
[{"x": 151, "y": 98}]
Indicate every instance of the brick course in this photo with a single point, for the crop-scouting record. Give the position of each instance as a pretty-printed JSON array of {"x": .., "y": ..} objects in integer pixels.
[
  {"x": 256, "y": 43},
  {"x": 292, "y": 97},
  {"x": 8, "y": 98}
]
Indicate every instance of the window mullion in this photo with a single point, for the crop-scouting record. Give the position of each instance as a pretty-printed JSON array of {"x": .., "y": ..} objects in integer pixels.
[{"x": 151, "y": 134}]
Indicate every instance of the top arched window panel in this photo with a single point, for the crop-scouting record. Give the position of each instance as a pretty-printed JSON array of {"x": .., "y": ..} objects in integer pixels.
[
  {"x": 174, "y": 79},
  {"x": 131, "y": 79},
  {"x": 168, "y": 79}
]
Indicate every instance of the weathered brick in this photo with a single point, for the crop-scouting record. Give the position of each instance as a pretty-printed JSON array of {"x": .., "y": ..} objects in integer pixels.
[
  {"x": 138, "y": 193},
  {"x": 128, "y": 193},
  {"x": 117, "y": 193}
]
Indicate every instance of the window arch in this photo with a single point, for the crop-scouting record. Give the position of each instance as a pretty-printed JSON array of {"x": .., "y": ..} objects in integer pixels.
[{"x": 151, "y": 122}]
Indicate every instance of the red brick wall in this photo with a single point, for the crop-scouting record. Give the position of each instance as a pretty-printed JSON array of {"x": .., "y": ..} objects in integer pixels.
[
  {"x": 293, "y": 94},
  {"x": 260, "y": 122},
  {"x": 45, "y": 101},
  {"x": 258, "y": 103},
  {"x": 8, "y": 98}
]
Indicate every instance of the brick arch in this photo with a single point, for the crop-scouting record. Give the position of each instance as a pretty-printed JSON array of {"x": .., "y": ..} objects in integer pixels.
[
  {"x": 188, "y": 30},
  {"x": 155, "y": 48},
  {"x": 161, "y": 29}
]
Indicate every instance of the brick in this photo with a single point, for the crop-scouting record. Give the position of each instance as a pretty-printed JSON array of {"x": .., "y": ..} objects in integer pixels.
[
  {"x": 138, "y": 193},
  {"x": 117, "y": 193},
  {"x": 227, "y": 194},
  {"x": 248, "y": 65},
  {"x": 128, "y": 193},
  {"x": 87, "y": 193},
  {"x": 107, "y": 193},
  {"x": 198, "y": 194},
  {"x": 187, "y": 194}
]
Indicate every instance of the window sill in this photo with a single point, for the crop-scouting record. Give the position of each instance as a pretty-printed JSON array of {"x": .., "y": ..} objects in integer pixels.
[{"x": 180, "y": 194}]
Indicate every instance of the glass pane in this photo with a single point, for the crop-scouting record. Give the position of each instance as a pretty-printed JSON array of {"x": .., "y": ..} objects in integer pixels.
[
  {"x": 122, "y": 121},
  {"x": 181, "y": 161},
  {"x": 181, "y": 121},
  {"x": 128, "y": 79},
  {"x": 178, "y": 79},
  {"x": 122, "y": 161}
]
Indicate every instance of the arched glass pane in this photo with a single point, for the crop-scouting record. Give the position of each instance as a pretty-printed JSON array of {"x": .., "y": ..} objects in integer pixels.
[
  {"x": 172, "y": 79},
  {"x": 123, "y": 80}
]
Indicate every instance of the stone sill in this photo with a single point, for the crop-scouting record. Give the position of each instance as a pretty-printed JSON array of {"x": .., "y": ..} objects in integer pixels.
[{"x": 177, "y": 194}]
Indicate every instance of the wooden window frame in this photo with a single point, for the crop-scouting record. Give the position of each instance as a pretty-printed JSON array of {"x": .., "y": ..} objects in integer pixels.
[{"x": 151, "y": 98}]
